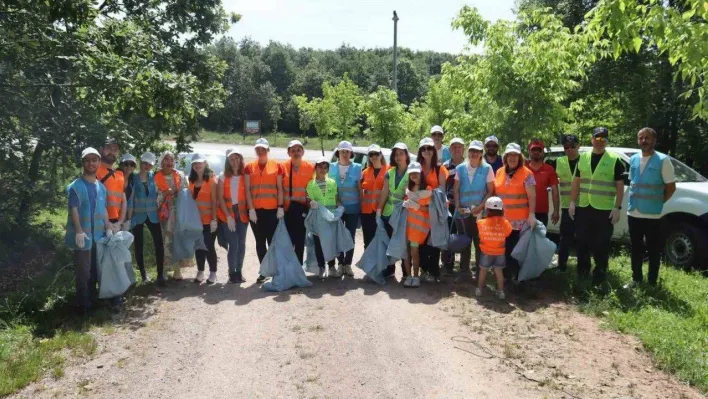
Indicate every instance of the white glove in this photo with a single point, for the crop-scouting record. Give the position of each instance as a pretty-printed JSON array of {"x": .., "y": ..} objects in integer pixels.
[
  {"x": 281, "y": 213},
  {"x": 340, "y": 209},
  {"x": 614, "y": 215},
  {"x": 231, "y": 223},
  {"x": 532, "y": 221},
  {"x": 571, "y": 210},
  {"x": 378, "y": 213},
  {"x": 109, "y": 233},
  {"x": 80, "y": 240},
  {"x": 314, "y": 205},
  {"x": 213, "y": 225},
  {"x": 126, "y": 225},
  {"x": 252, "y": 216}
]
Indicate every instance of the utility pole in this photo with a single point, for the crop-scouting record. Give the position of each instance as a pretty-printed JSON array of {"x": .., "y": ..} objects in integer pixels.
[{"x": 395, "y": 52}]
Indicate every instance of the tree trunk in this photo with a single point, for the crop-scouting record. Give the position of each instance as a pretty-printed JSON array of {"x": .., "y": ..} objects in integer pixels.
[{"x": 32, "y": 177}]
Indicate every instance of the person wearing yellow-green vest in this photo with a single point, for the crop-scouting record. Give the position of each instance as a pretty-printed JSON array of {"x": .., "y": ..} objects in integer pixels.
[
  {"x": 653, "y": 182},
  {"x": 322, "y": 191},
  {"x": 393, "y": 192},
  {"x": 598, "y": 189},
  {"x": 565, "y": 169}
]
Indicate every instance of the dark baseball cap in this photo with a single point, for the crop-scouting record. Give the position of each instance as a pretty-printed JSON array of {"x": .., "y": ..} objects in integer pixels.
[
  {"x": 569, "y": 139},
  {"x": 600, "y": 132}
]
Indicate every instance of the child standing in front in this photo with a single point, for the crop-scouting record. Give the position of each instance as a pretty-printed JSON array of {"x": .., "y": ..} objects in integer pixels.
[
  {"x": 418, "y": 222},
  {"x": 493, "y": 231}
]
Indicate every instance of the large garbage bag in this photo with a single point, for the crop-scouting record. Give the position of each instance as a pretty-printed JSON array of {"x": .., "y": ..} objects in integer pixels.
[
  {"x": 374, "y": 261},
  {"x": 398, "y": 245},
  {"x": 534, "y": 252},
  {"x": 113, "y": 262},
  {"x": 282, "y": 264},
  {"x": 439, "y": 213},
  {"x": 333, "y": 235},
  {"x": 187, "y": 234}
]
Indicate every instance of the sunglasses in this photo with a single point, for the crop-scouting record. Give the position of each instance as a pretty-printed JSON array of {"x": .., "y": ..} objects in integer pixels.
[
  {"x": 129, "y": 164},
  {"x": 600, "y": 138},
  {"x": 437, "y": 134},
  {"x": 425, "y": 149},
  {"x": 374, "y": 154}
]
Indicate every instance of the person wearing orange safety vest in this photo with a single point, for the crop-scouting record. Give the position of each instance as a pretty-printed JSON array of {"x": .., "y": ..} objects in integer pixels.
[
  {"x": 232, "y": 212},
  {"x": 418, "y": 222},
  {"x": 202, "y": 187},
  {"x": 372, "y": 183},
  {"x": 169, "y": 181},
  {"x": 114, "y": 181},
  {"x": 516, "y": 186},
  {"x": 434, "y": 175},
  {"x": 264, "y": 196},
  {"x": 298, "y": 174}
]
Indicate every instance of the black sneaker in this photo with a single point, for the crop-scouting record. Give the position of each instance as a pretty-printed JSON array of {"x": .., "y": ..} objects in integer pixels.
[
  {"x": 236, "y": 278},
  {"x": 161, "y": 282},
  {"x": 261, "y": 279}
]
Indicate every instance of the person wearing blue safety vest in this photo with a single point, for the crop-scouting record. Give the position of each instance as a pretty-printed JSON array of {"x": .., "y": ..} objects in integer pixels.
[
  {"x": 144, "y": 214},
  {"x": 474, "y": 183},
  {"x": 653, "y": 182},
  {"x": 437, "y": 134},
  {"x": 86, "y": 223},
  {"x": 347, "y": 174}
]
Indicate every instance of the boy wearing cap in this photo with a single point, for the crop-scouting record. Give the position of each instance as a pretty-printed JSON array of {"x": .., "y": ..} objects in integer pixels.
[
  {"x": 322, "y": 191},
  {"x": 491, "y": 153},
  {"x": 545, "y": 177},
  {"x": 493, "y": 232},
  {"x": 598, "y": 189},
  {"x": 457, "y": 154},
  {"x": 565, "y": 169},
  {"x": 86, "y": 223},
  {"x": 298, "y": 174},
  {"x": 114, "y": 181},
  {"x": 443, "y": 152}
]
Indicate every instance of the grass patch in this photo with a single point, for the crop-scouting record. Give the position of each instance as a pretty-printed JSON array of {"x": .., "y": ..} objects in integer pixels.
[
  {"x": 279, "y": 139},
  {"x": 671, "y": 320}
]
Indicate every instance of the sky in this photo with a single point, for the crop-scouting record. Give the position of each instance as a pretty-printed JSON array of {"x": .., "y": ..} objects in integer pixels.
[{"x": 327, "y": 24}]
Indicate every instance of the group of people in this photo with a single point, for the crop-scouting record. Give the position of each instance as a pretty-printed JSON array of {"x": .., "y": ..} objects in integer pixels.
[{"x": 491, "y": 198}]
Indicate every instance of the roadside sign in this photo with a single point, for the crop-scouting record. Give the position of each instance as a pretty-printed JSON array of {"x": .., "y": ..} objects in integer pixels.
[{"x": 251, "y": 127}]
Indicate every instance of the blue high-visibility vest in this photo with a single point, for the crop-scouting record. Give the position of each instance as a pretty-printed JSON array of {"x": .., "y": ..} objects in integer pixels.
[
  {"x": 348, "y": 190},
  {"x": 85, "y": 216},
  {"x": 472, "y": 194},
  {"x": 646, "y": 191},
  {"x": 144, "y": 205}
]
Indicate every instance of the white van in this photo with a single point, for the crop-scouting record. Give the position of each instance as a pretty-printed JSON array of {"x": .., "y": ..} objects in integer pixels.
[{"x": 686, "y": 213}]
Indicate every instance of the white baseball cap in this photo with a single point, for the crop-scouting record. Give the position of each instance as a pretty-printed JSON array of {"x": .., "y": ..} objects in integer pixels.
[
  {"x": 89, "y": 151},
  {"x": 322, "y": 159},
  {"x": 373, "y": 148},
  {"x": 512, "y": 148},
  {"x": 493, "y": 139},
  {"x": 400, "y": 146},
  {"x": 494, "y": 203},
  {"x": 198, "y": 158},
  {"x": 437, "y": 129},
  {"x": 457, "y": 140},
  {"x": 127, "y": 158},
  {"x": 294, "y": 143},
  {"x": 345, "y": 145},
  {"x": 476, "y": 145},
  {"x": 414, "y": 167},
  {"x": 427, "y": 141},
  {"x": 263, "y": 143},
  {"x": 148, "y": 157},
  {"x": 233, "y": 150}
]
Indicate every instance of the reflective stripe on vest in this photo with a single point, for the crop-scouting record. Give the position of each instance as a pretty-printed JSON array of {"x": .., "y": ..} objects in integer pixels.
[
  {"x": 371, "y": 187},
  {"x": 472, "y": 194},
  {"x": 264, "y": 185},
  {"x": 646, "y": 190},
  {"x": 565, "y": 177},
  {"x": 513, "y": 195},
  {"x": 597, "y": 189},
  {"x": 204, "y": 200},
  {"x": 395, "y": 194},
  {"x": 114, "y": 190},
  {"x": 85, "y": 217},
  {"x": 226, "y": 195},
  {"x": 301, "y": 178},
  {"x": 418, "y": 222}
]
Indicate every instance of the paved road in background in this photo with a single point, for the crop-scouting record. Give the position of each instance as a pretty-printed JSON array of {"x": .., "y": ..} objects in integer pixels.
[{"x": 276, "y": 153}]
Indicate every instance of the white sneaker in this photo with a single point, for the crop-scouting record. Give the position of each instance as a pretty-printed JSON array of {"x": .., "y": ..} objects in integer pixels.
[
  {"x": 501, "y": 295},
  {"x": 477, "y": 292},
  {"x": 199, "y": 278},
  {"x": 322, "y": 273},
  {"x": 212, "y": 278},
  {"x": 348, "y": 270},
  {"x": 416, "y": 282},
  {"x": 408, "y": 281},
  {"x": 335, "y": 273},
  {"x": 177, "y": 275}
]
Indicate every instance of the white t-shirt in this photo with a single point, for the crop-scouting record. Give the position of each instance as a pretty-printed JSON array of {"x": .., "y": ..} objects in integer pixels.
[
  {"x": 667, "y": 173},
  {"x": 472, "y": 170},
  {"x": 343, "y": 170},
  {"x": 234, "y": 189},
  {"x": 440, "y": 153}
]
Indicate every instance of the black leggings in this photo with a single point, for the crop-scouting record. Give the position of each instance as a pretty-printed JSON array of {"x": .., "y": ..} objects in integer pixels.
[
  {"x": 368, "y": 227},
  {"x": 156, "y": 233},
  {"x": 511, "y": 271},
  {"x": 210, "y": 254},
  {"x": 430, "y": 259},
  {"x": 263, "y": 230}
]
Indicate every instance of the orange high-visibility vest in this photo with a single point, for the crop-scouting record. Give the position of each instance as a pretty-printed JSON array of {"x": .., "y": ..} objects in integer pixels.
[
  {"x": 226, "y": 195},
  {"x": 264, "y": 185},
  {"x": 204, "y": 200},
  {"x": 162, "y": 183},
  {"x": 115, "y": 186},
  {"x": 371, "y": 187},
  {"x": 304, "y": 174},
  {"x": 418, "y": 222},
  {"x": 513, "y": 195},
  {"x": 431, "y": 179}
]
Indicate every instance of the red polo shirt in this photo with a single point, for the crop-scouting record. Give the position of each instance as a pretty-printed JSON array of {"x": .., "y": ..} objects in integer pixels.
[{"x": 545, "y": 177}]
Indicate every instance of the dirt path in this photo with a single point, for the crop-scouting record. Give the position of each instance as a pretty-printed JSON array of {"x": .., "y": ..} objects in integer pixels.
[{"x": 351, "y": 339}]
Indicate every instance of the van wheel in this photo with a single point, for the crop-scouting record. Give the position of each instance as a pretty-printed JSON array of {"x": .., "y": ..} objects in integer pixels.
[{"x": 686, "y": 246}]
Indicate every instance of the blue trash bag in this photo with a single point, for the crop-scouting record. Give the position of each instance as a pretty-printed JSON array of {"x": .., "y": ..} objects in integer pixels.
[
  {"x": 534, "y": 252},
  {"x": 334, "y": 236},
  {"x": 374, "y": 261},
  {"x": 282, "y": 264},
  {"x": 187, "y": 234},
  {"x": 458, "y": 242},
  {"x": 439, "y": 212},
  {"x": 114, "y": 264},
  {"x": 398, "y": 245}
]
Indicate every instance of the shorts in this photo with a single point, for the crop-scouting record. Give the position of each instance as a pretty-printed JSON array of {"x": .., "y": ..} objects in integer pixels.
[
  {"x": 489, "y": 261},
  {"x": 413, "y": 244}
]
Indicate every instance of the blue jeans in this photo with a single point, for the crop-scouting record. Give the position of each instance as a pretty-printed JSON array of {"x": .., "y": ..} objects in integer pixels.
[
  {"x": 237, "y": 245},
  {"x": 351, "y": 222}
]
